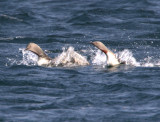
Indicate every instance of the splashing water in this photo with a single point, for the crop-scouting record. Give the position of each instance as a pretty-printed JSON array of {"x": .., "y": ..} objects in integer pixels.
[
  {"x": 124, "y": 56},
  {"x": 70, "y": 58},
  {"x": 99, "y": 58},
  {"x": 29, "y": 58},
  {"x": 127, "y": 57},
  {"x": 67, "y": 58},
  {"x": 150, "y": 62}
]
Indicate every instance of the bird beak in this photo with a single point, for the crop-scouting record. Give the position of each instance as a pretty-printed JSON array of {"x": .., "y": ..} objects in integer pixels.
[{"x": 92, "y": 42}]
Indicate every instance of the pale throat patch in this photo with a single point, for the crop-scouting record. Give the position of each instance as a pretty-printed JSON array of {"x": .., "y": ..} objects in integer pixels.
[
  {"x": 43, "y": 61},
  {"x": 111, "y": 59}
]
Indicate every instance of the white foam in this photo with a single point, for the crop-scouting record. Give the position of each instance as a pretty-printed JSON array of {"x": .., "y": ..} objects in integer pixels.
[
  {"x": 69, "y": 58},
  {"x": 99, "y": 58},
  {"x": 150, "y": 62},
  {"x": 125, "y": 56},
  {"x": 29, "y": 58}
]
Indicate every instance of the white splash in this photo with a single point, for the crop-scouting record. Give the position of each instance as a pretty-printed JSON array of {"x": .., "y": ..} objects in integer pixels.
[
  {"x": 29, "y": 58},
  {"x": 127, "y": 57},
  {"x": 124, "y": 56},
  {"x": 67, "y": 58},
  {"x": 150, "y": 62},
  {"x": 70, "y": 58},
  {"x": 99, "y": 58}
]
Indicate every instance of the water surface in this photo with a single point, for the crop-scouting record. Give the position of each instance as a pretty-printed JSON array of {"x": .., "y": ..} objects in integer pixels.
[{"x": 89, "y": 93}]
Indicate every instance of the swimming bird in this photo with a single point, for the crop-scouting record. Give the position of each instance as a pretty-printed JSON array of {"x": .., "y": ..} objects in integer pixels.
[
  {"x": 69, "y": 58},
  {"x": 111, "y": 57}
]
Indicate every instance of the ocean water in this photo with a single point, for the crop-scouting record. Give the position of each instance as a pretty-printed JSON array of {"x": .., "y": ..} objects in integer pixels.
[{"x": 127, "y": 93}]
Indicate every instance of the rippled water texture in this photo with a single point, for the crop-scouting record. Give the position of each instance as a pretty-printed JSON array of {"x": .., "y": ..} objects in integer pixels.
[{"x": 130, "y": 28}]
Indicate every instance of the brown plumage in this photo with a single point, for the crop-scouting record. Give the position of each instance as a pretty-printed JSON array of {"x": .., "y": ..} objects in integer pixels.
[
  {"x": 111, "y": 57},
  {"x": 44, "y": 60}
]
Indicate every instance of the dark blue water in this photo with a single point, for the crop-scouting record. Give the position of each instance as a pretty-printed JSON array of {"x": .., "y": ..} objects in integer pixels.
[{"x": 88, "y": 93}]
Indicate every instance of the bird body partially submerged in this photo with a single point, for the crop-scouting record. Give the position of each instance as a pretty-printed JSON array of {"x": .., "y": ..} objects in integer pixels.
[
  {"x": 68, "y": 59},
  {"x": 111, "y": 57}
]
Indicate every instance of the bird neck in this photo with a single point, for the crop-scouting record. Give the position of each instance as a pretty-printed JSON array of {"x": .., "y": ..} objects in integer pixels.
[
  {"x": 111, "y": 59},
  {"x": 43, "y": 61}
]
